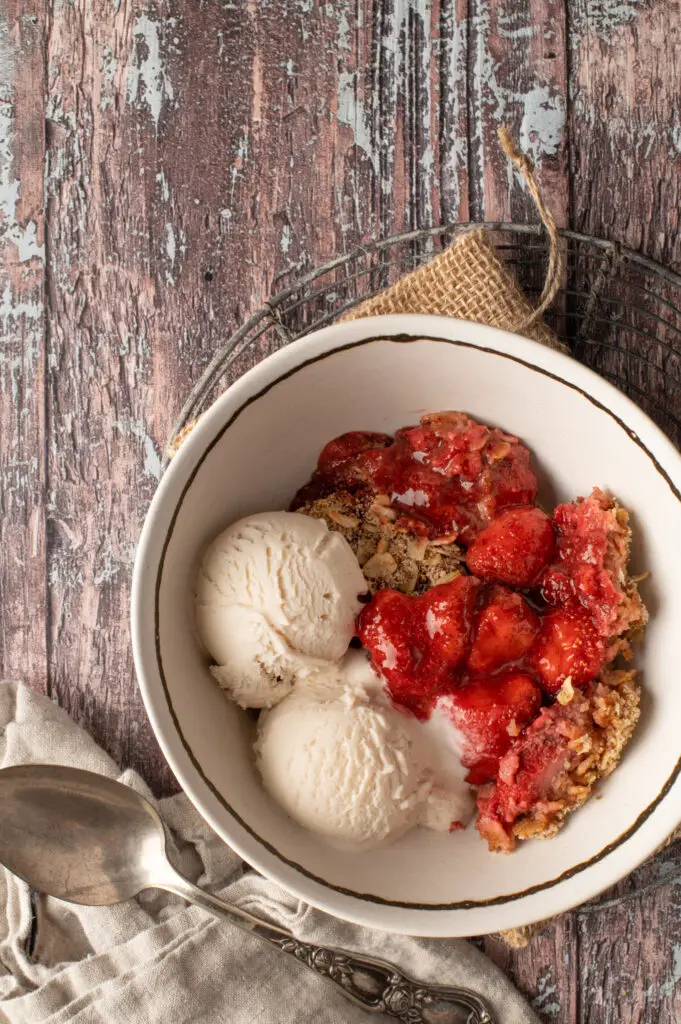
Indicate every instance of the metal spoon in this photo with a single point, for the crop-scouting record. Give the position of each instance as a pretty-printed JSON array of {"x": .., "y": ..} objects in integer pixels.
[{"x": 86, "y": 839}]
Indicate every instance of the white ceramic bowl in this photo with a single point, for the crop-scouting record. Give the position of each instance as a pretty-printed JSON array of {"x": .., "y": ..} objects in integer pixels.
[{"x": 252, "y": 450}]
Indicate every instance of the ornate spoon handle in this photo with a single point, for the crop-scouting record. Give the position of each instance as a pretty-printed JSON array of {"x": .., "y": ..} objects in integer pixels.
[
  {"x": 375, "y": 985},
  {"x": 379, "y": 987}
]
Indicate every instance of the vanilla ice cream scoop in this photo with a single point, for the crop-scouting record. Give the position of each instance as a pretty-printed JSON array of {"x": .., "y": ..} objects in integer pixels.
[
  {"x": 276, "y": 597},
  {"x": 341, "y": 767},
  {"x": 343, "y": 762}
]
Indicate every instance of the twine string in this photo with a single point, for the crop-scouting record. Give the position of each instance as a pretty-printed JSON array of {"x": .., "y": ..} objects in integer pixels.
[{"x": 556, "y": 265}]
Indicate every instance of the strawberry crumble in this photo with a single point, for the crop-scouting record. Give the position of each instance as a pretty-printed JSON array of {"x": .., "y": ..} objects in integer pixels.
[{"x": 504, "y": 616}]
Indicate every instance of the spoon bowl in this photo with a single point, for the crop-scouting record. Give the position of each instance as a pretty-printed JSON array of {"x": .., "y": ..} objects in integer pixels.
[{"x": 79, "y": 836}]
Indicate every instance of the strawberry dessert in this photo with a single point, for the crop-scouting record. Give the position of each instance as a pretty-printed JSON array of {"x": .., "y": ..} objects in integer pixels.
[{"x": 483, "y": 606}]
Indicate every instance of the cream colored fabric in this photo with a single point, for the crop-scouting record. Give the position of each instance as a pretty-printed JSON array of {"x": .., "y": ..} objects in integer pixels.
[{"x": 158, "y": 961}]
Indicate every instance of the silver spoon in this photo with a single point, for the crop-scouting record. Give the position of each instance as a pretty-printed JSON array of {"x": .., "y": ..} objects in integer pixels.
[{"x": 86, "y": 839}]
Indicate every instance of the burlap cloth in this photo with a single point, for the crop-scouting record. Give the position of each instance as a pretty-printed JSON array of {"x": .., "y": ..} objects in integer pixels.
[{"x": 468, "y": 280}]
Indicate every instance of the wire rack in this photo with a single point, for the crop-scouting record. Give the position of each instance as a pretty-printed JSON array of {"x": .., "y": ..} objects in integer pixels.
[{"x": 619, "y": 312}]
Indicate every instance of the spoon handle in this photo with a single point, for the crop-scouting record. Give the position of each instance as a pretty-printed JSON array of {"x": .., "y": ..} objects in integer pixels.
[{"x": 373, "y": 984}]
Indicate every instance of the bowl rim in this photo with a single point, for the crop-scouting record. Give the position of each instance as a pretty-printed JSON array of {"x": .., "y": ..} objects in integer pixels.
[{"x": 365, "y": 908}]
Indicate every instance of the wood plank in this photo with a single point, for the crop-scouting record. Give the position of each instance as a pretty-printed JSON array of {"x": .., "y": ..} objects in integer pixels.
[
  {"x": 517, "y": 76},
  {"x": 546, "y": 971},
  {"x": 630, "y": 943},
  {"x": 108, "y": 88},
  {"x": 22, "y": 350},
  {"x": 453, "y": 111},
  {"x": 625, "y": 142},
  {"x": 625, "y": 186}
]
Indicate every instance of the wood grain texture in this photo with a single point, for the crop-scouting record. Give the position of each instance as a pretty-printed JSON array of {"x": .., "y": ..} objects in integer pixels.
[
  {"x": 22, "y": 353},
  {"x": 529, "y": 93},
  {"x": 102, "y": 388},
  {"x": 182, "y": 161}
]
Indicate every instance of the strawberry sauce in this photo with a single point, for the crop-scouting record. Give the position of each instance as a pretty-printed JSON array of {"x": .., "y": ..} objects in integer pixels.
[{"x": 448, "y": 477}]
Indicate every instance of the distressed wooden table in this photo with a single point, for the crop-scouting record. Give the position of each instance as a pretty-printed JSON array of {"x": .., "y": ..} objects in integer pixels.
[{"x": 162, "y": 165}]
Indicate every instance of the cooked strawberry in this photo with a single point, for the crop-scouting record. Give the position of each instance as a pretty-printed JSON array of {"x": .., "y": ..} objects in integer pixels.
[
  {"x": 534, "y": 771},
  {"x": 593, "y": 538},
  {"x": 347, "y": 463},
  {"x": 489, "y": 824},
  {"x": 567, "y": 646},
  {"x": 448, "y": 610},
  {"x": 603, "y": 597},
  {"x": 515, "y": 547},
  {"x": 556, "y": 586},
  {"x": 525, "y": 774},
  {"x": 384, "y": 625},
  {"x": 505, "y": 632},
  {"x": 345, "y": 447},
  {"x": 418, "y": 643},
  {"x": 458, "y": 432},
  {"x": 512, "y": 481},
  {"x": 481, "y": 770},
  {"x": 489, "y": 711}
]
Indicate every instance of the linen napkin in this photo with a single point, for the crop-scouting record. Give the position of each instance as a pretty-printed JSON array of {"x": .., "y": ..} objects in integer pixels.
[{"x": 155, "y": 959}]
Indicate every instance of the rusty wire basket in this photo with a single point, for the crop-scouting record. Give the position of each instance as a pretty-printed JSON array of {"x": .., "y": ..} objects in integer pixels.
[{"x": 618, "y": 311}]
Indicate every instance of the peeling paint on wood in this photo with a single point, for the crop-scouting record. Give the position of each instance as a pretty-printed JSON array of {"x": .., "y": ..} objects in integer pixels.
[
  {"x": 529, "y": 95},
  {"x": 15, "y": 232},
  {"x": 148, "y": 82},
  {"x": 605, "y": 16}
]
